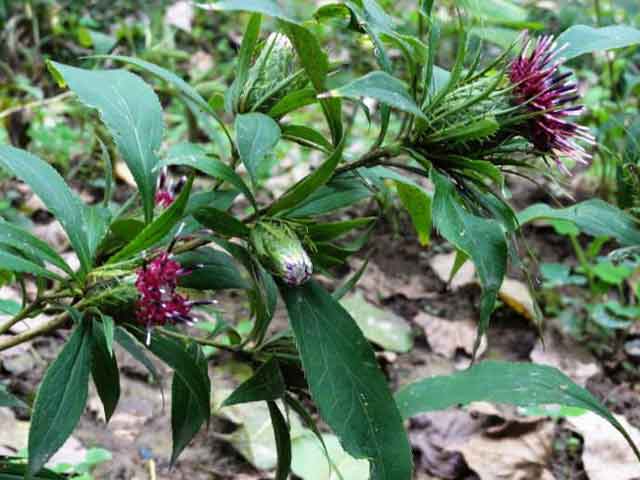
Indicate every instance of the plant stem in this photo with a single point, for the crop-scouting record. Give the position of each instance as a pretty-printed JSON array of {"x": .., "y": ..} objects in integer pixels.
[
  {"x": 200, "y": 340},
  {"x": 27, "y": 335},
  {"x": 27, "y": 311}
]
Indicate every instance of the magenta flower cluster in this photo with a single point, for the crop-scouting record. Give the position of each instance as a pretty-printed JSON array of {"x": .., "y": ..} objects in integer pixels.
[
  {"x": 543, "y": 90},
  {"x": 159, "y": 303},
  {"x": 167, "y": 191}
]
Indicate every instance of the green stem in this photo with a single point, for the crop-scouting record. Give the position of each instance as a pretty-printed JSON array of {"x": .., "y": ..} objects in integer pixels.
[{"x": 199, "y": 340}]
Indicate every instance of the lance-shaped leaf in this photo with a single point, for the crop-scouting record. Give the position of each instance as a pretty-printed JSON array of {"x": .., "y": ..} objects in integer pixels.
[
  {"x": 161, "y": 226},
  {"x": 256, "y": 137},
  {"x": 583, "y": 39},
  {"x": 382, "y": 87},
  {"x": 308, "y": 185},
  {"x": 266, "y": 384},
  {"x": 186, "y": 416},
  {"x": 104, "y": 370},
  {"x": 266, "y": 7},
  {"x": 61, "y": 398},
  {"x": 131, "y": 111},
  {"x": 481, "y": 239},
  {"x": 346, "y": 383},
  {"x": 521, "y": 384},
  {"x": 594, "y": 217},
  {"x": 14, "y": 263},
  {"x": 283, "y": 441},
  {"x": 14, "y": 469},
  {"x": 30, "y": 245},
  {"x": 47, "y": 184}
]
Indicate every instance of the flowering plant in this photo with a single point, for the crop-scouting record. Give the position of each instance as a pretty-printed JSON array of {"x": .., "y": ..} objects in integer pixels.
[{"x": 461, "y": 132}]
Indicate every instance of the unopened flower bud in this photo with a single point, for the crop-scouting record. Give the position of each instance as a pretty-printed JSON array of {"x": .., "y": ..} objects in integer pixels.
[
  {"x": 280, "y": 251},
  {"x": 274, "y": 74}
]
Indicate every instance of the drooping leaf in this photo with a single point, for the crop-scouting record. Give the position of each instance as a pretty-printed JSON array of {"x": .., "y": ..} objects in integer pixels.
[
  {"x": 330, "y": 231},
  {"x": 210, "y": 270},
  {"x": 27, "y": 243},
  {"x": 481, "y": 239},
  {"x": 585, "y": 39},
  {"x": 174, "y": 353},
  {"x": 186, "y": 416},
  {"x": 256, "y": 136},
  {"x": 594, "y": 217},
  {"x": 306, "y": 136},
  {"x": 521, "y": 384},
  {"x": 136, "y": 350},
  {"x": 104, "y": 370},
  {"x": 47, "y": 184},
  {"x": 131, "y": 111},
  {"x": 266, "y": 384},
  {"x": 283, "y": 441},
  {"x": 249, "y": 41},
  {"x": 161, "y": 226},
  {"x": 382, "y": 87},
  {"x": 346, "y": 382},
  {"x": 61, "y": 398},
  {"x": 14, "y": 263},
  {"x": 194, "y": 156},
  {"x": 303, "y": 189}
]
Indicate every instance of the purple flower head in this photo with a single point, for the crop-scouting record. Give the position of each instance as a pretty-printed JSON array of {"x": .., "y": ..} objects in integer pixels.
[
  {"x": 159, "y": 303},
  {"x": 167, "y": 191},
  {"x": 542, "y": 89}
]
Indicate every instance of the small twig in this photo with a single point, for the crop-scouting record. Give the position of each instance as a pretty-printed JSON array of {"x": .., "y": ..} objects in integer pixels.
[
  {"x": 27, "y": 335},
  {"x": 35, "y": 104}
]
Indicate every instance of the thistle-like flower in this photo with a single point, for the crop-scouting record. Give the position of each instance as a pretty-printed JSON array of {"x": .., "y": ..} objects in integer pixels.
[
  {"x": 544, "y": 91},
  {"x": 159, "y": 303},
  {"x": 281, "y": 251},
  {"x": 167, "y": 191}
]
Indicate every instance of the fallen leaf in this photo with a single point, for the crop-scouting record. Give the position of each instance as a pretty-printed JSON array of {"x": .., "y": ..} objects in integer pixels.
[
  {"x": 517, "y": 296},
  {"x": 443, "y": 263},
  {"x": 436, "y": 435},
  {"x": 446, "y": 337},
  {"x": 382, "y": 327},
  {"x": 523, "y": 456},
  {"x": 310, "y": 463},
  {"x": 561, "y": 352},
  {"x": 606, "y": 455}
]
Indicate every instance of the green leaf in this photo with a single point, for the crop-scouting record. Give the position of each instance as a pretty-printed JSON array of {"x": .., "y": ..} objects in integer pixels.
[
  {"x": 292, "y": 101},
  {"x": 194, "y": 156},
  {"x": 14, "y": 263},
  {"x": 593, "y": 217},
  {"x": 347, "y": 286},
  {"x": 186, "y": 416},
  {"x": 316, "y": 65},
  {"x": 221, "y": 222},
  {"x": 583, "y": 39},
  {"x": 346, "y": 383},
  {"x": 481, "y": 239},
  {"x": 303, "y": 189},
  {"x": 108, "y": 330},
  {"x": 521, "y": 384},
  {"x": 8, "y": 400},
  {"x": 158, "y": 229},
  {"x": 256, "y": 137},
  {"x": 61, "y": 398},
  {"x": 190, "y": 94},
  {"x": 174, "y": 353},
  {"x": 320, "y": 232},
  {"x": 136, "y": 350},
  {"x": 104, "y": 370},
  {"x": 266, "y": 384},
  {"x": 9, "y": 307},
  {"x": 306, "y": 136},
  {"x": 210, "y": 270},
  {"x": 418, "y": 204},
  {"x": 47, "y": 184},
  {"x": 249, "y": 41},
  {"x": 131, "y": 111},
  {"x": 28, "y": 244},
  {"x": 266, "y": 7},
  {"x": 18, "y": 471},
  {"x": 283, "y": 441},
  {"x": 382, "y": 87}
]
